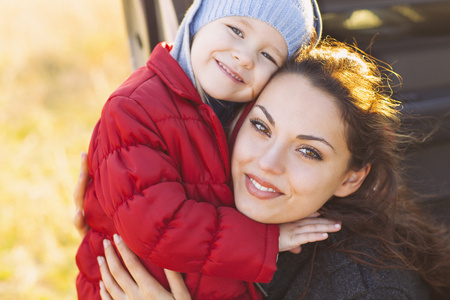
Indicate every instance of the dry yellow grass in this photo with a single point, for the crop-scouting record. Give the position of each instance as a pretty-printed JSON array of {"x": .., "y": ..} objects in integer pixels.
[{"x": 59, "y": 62}]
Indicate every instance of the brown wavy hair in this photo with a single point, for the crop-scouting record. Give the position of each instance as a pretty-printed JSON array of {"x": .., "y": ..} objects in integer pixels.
[{"x": 383, "y": 210}]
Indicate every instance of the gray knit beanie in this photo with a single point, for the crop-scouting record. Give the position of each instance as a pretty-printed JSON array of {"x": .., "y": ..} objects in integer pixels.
[{"x": 295, "y": 20}]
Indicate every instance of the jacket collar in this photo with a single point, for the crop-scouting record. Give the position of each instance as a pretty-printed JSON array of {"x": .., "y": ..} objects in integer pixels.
[{"x": 171, "y": 73}]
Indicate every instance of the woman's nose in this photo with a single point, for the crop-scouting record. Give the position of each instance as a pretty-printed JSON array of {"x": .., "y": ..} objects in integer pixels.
[{"x": 272, "y": 160}]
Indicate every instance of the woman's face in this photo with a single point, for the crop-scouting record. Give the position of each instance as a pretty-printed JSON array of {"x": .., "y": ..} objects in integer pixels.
[{"x": 290, "y": 155}]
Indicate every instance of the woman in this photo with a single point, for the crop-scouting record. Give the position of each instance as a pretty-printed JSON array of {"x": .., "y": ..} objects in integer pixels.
[{"x": 324, "y": 135}]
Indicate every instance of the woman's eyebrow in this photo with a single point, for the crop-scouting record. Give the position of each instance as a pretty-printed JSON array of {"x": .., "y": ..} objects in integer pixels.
[
  {"x": 300, "y": 136},
  {"x": 314, "y": 138},
  {"x": 266, "y": 113}
]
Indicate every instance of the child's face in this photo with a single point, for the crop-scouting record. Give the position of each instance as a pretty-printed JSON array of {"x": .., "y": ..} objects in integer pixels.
[
  {"x": 291, "y": 154},
  {"x": 234, "y": 57}
]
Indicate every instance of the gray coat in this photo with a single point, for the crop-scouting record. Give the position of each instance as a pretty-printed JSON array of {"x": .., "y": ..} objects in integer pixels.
[{"x": 337, "y": 276}]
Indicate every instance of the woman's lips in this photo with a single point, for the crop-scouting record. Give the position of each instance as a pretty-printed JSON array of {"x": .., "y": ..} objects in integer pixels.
[
  {"x": 260, "y": 188},
  {"x": 234, "y": 76}
]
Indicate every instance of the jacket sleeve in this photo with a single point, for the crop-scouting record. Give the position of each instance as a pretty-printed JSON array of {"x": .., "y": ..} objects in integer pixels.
[{"x": 139, "y": 186}]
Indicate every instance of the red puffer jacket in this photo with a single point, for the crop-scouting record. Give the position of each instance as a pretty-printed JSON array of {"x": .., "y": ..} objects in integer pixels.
[{"x": 159, "y": 165}]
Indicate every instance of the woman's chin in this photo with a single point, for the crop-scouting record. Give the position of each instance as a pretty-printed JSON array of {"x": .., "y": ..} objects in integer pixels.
[{"x": 256, "y": 216}]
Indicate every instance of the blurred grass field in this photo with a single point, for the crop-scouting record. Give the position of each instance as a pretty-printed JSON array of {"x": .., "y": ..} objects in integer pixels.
[{"x": 59, "y": 62}]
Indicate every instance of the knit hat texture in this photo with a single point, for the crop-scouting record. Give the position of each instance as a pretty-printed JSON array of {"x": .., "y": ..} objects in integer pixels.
[{"x": 295, "y": 20}]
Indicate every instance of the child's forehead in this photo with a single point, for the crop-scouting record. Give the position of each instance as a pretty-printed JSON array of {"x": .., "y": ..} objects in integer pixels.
[
  {"x": 249, "y": 22},
  {"x": 262, "y": 29},
  {"x": 246, "y": 20}
]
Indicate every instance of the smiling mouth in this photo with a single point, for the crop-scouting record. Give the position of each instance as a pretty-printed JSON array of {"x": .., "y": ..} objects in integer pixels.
[
  {"x": 260, "y": 187},
  {"x": 229, "y": 72}
]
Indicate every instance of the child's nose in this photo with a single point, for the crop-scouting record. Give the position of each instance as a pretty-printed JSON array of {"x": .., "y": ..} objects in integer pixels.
[{"x": 244, "y": 59}]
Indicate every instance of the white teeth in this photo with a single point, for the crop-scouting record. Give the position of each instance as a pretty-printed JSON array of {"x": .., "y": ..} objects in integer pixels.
[
  {"x": 229, "y": 72},
  {"x": 261, "y": 188}
]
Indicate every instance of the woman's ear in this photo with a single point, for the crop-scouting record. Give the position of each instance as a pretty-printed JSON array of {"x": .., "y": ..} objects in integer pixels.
[{"x": 353, "y": 181}]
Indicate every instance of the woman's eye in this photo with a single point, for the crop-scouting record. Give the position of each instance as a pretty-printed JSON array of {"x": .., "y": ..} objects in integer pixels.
[
  {"x": 260, "y": 127},
  {"x": 266, "y": 55},
  {"x": 310, "y": 153},
  {"x": 237, "y": 31}
]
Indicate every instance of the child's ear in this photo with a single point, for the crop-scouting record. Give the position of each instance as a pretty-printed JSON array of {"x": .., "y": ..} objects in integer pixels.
[{"x": 352, "y": 182}]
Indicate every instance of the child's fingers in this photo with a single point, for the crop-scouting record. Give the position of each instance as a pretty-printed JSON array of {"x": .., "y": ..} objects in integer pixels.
[
  {"x": 317, "y": 227},
  {"x": 296, "y": 250},
  {"x": 305, "y": 231},
  {"x": 314, "y": 232},
  {"x": 177, "y": 285},
  {"x": 109, "y": 289},
  {"x": 310, "y": 237},
  {"x": 315, "y": 221}
]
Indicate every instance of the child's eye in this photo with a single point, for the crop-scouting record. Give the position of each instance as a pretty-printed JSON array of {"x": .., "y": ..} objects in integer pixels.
[
  {"x": 237, "y": 31},
  {"x": 266, "y": 55},
  {"x": 260, "y": 127},
  {"x": 310, "y": 153}
]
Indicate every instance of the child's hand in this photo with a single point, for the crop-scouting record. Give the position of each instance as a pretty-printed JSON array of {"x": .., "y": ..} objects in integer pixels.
[
  {"x": 78, "y": 197},
  {"x": 307, "y": 230}
]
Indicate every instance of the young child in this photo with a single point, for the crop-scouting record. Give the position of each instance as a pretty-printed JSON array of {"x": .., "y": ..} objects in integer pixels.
[{"x": 159, "y": 160}]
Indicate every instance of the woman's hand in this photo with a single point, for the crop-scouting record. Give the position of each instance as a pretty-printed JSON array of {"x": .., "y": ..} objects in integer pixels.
[
  {"x": 117, "y": 283},
  {"x": 307, "y": 230},
  {"x": 78, "y": 196}
]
